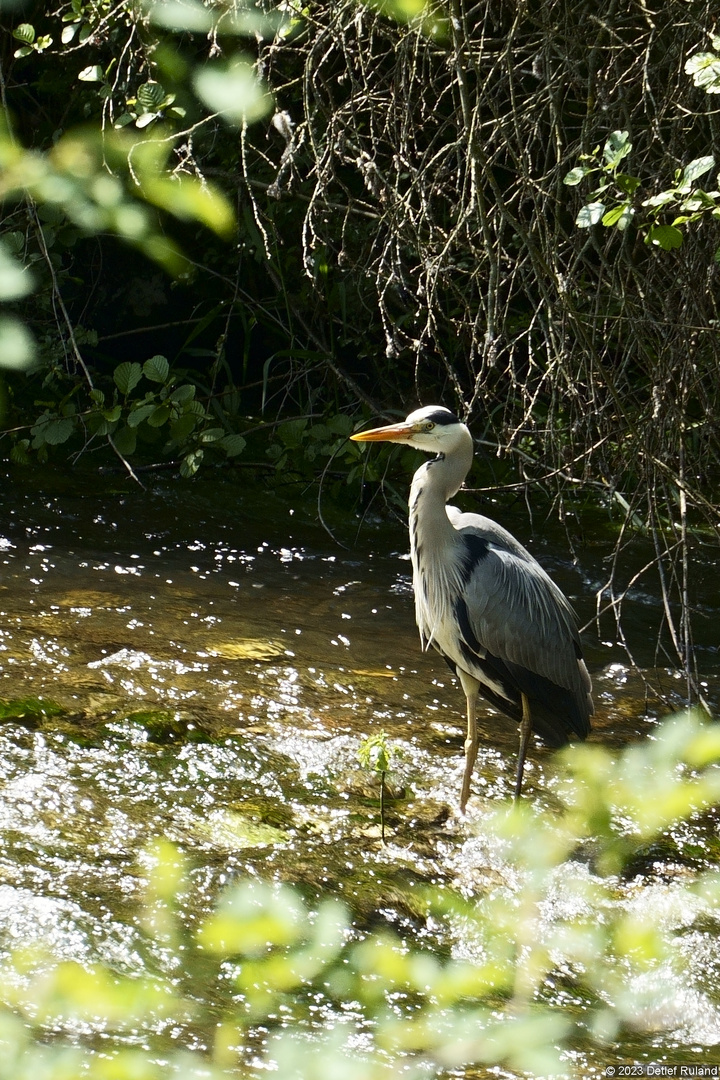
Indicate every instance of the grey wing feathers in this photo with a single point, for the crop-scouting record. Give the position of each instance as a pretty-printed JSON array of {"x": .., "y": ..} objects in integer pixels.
[
  {"x": 516, "y": 617},
  {"x": 516, "y": 611}
]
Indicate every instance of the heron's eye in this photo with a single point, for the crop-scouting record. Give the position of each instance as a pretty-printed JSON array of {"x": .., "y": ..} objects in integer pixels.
[{"x": 429, "y": 426}]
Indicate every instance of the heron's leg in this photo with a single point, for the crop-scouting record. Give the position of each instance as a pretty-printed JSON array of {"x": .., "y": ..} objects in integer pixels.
[
  {"x": 471, "y": 749},
  {"x": 525, "y": 733}
]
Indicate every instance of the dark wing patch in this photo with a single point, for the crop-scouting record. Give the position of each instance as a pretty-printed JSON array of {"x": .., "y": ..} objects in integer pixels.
[
  {"x": 463, "y": 621},
  {"x": 476, "y": 549},
  {"x": 555, "y": 710}
]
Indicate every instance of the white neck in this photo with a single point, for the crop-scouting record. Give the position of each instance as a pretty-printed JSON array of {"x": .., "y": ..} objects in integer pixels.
[
  {"x": 432, "y": 535},
  {"x": 439, "y": 479}
]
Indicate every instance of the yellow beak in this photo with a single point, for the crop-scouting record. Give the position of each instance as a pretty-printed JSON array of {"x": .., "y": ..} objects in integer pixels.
[{"x": 391, "y": 433}]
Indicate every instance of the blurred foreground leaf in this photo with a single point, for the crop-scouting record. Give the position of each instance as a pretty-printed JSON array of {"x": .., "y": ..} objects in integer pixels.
[
  {"x": 233, "y": 91},
  {"x": 17, "y": 346}
]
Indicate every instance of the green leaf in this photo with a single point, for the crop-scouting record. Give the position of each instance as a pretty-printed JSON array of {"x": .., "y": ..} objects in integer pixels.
[
  {"x": 233, "y": 445},
  {"x": 620, "y": 216},
  {"x": 24, "y": 32},
  {"x": 19, "y": 452},
  {"x": 233, "y": 90},
  {"x": 188, "y": 199},
  {"x": 661, "y": 198},
  {"x": 628, "y": 184},
  {"x": 590, "y": 214},
  {"x": 156, "y": 369},
  {"x": 187, "y": 15},
  {"x": 183, "y": 427},
  {"x": 613, "y": 216},
  {"x": 625, "y": 218},
  {"x": 341, "y": 425},
  {"x": 191, "y": 16},
  {"x": 576, "y": 175},
  {"x": 125, "y": 440},
  {"x": 697, "y": 168},
  {"x": 182, "y": 394},
  {"x": 401, "y": 10},
  {"x": 159, "y": 416},
  {"x": 93, "y": 73},
  {"x": 212, "y": 434},
  {"x": 291, "y": 433},
  {"x": 113, "y": 415},
  {"x": 17, "y": 345},
  {"x": 99, "y": 425},
  {"x": 666, "y": 237},
  {"x": 14, "y": 241},
  {"x": 150, "y": 95},
  {"x": 707, "y": 199},
  {"x": 376, "y": 753},
  {"x": 191, "y": 463},
  {"x": 616, "y": 148},
  {"x": 705, "y": 70},
  {"x": 58, "y": 431},
  {"x": 15, "y": 280},
  {"x": 139, "y": 414},
  {"x": 126, "y": 376}
]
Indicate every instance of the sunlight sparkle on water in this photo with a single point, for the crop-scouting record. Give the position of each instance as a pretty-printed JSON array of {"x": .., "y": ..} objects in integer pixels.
[{"x": 162, "y": 640}]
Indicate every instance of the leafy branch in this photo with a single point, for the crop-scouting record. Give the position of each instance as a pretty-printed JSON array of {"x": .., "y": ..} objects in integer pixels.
[
  {"x": 613, "y": 204},
  {"x": 124, "y": 419},
  {"x": 613, "y": 201}
]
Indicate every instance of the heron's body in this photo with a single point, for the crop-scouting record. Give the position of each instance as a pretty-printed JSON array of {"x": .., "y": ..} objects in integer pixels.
[{"x": 485, "y": 603}]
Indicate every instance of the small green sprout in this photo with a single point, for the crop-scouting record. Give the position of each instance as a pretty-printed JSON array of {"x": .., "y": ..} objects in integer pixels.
[{"x": 376, "y": 753}]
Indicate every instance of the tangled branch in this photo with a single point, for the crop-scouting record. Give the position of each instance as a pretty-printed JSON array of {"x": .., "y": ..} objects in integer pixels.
[{"x": 431, "y": 161}]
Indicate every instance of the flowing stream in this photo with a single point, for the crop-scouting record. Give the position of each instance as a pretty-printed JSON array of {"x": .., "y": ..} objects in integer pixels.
[{"x": 194, "y": 663}]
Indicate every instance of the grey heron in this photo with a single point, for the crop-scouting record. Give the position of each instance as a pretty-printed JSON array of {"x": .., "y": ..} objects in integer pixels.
[{"x": 484, "y": 602}]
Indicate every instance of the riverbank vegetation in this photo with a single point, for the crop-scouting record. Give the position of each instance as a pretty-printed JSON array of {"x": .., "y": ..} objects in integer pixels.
[{"x": 231, "y": 231}]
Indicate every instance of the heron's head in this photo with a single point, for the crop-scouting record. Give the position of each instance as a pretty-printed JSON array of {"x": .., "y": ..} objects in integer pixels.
[{"x": 432, "y": 428}]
